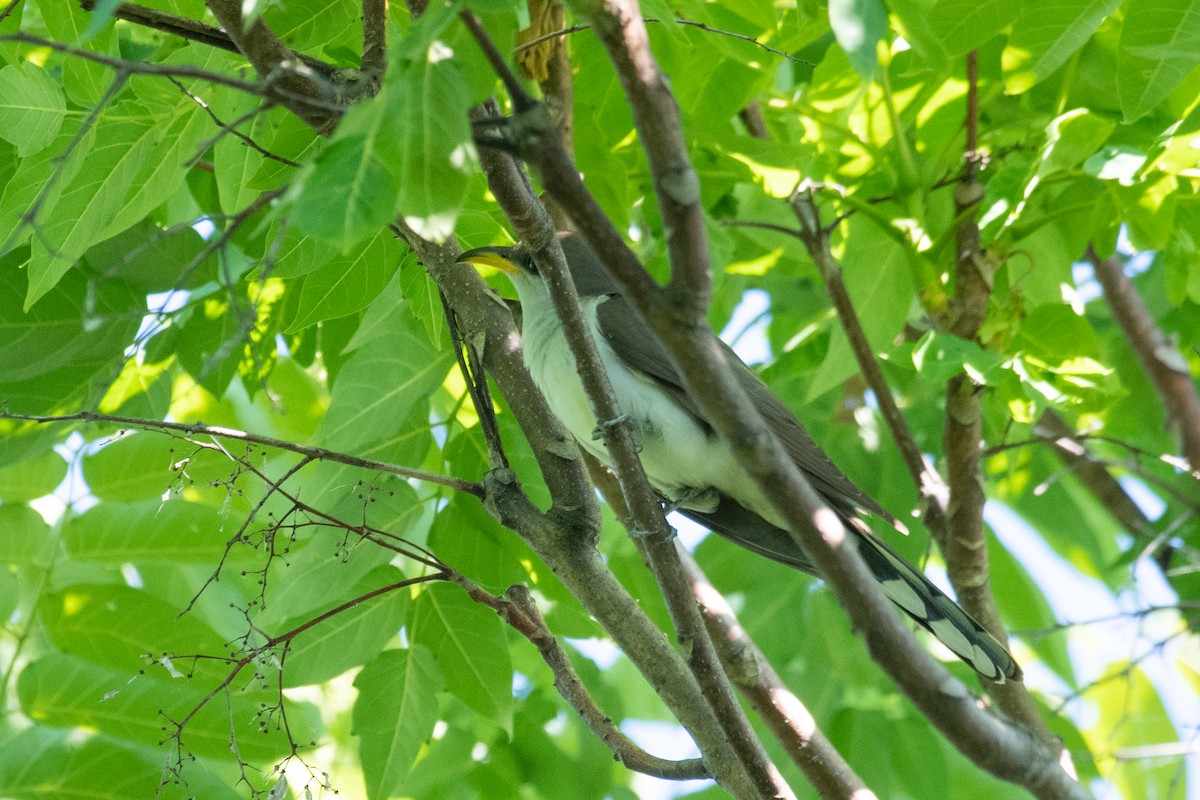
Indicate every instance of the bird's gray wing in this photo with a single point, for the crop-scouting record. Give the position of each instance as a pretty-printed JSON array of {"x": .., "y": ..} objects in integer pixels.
[{"x": 637, "y": 346}]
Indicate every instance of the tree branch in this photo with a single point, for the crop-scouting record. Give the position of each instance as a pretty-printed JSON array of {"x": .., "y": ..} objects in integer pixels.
[
  {"x": 1167, "y": 369},
  {"x": 748, "y": 669},
  {"x": 315, "y": 453},
  {"x": 288, "y": 79},
  {"x": 962, "y": 539},
  {"x": 620, "y": 27},
  {"x": 374, "y": 52},
  {"x": 790, "y": 722},
  {"x": 1003, "y": 749},
  {"x": 518, "y": 609},
  {"x": 537, "y": 230}
]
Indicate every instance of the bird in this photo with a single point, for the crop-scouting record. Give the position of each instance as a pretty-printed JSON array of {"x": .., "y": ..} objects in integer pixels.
[{"x": 686, "y": 460}]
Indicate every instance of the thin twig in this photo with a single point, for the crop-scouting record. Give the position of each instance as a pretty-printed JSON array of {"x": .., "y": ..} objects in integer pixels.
[
  {"x": 197, "y": 429},
  {"x": 518, "y": 609},
  {"x": 679, "y": 21},
  {"x": 1167, "y": 368},
  {"x": 137, "y": 67}
]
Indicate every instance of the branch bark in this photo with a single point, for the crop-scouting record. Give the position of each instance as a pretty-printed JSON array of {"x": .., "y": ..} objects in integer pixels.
[
  {"x": 1003, "y": 749},
  {"x": 288, "y": 80},
  {"x": 1160, "y": 358},
  {"x": 962, "y": 538}
]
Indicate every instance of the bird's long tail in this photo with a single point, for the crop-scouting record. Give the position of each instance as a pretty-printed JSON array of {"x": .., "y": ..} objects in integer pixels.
[{"x": 903, "y": 584}]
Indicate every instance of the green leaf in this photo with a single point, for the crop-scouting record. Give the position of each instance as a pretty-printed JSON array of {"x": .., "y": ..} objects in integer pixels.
[
  {"x": 349, "y": 194},
  {"x": 349, "y": 638},
  {"x": 1132, "y": 715},
  {"x": 138, "y": 466},
  {"x": 32, "y": 478},
  {"x": 24, "y": 536},
  {"x": 42, "y": 762},
  {"x": 1045, "y": 35},
  {"x": 1071, "y": 138},
  {"x": 434, "y": 152},
  {"x": 57, "y": 356},
  {"x": 154, "y": 259},
  {"x": 379, "y": 385},
  {"x": 1057, "y": 333},
  {"x": 235, "y": 164},
  {"x": 151, "y": 531},
  {"x": 384, "y": 313},
  {"x": 93, "y": 204},
  {"x": 394, "y": 715},
  {"x": 32, "y": 108},
  {"x": 947, "y": 29},
  {"x": 62, "y": 690},
  {"x": 31, "y": 186},
  {"x": 85, "y": 81},
  {"x": 348, "y": 284},
  {"x": 424, "y": 300},
  {"x": 467, "y": 640},
  {"x": 133, "y": 631},
  {"x": 1160, "y": 45},
  {"x": 938, "y": 357},
  {"x": 859, "y": 25}
]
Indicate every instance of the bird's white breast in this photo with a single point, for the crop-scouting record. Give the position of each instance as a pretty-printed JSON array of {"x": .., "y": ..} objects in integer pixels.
[{"x": 679, "y": 456}]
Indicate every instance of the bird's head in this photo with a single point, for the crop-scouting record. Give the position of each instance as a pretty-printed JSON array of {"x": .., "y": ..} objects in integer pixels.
[
  {"x": 516, "y": 261},
  {"x": 513, "y": 260}
]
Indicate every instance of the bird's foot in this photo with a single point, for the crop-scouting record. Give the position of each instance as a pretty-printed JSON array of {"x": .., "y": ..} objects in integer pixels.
[
  {"x": 704, "y": 500},
  {"x": 603, "y": 429},
  {"x": 657, "y": 536}
]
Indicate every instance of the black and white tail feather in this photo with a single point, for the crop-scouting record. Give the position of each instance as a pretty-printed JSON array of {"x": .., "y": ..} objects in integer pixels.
[{"x": 904, "y": 585}]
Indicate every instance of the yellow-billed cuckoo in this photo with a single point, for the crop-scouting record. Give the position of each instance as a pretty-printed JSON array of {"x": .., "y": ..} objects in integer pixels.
[{"x": 687, "y": 461}]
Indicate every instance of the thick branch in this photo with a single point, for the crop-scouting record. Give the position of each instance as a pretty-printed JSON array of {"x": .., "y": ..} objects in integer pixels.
[
  {"x": 620, "y": 27},
  {"x": 1003, "y": 749},
  {"x": 787, "y": 718},
  {"x": 289, "y": 81},
  {"x": 1160, "y": 357},
  {"x": 790, "y": 722}
]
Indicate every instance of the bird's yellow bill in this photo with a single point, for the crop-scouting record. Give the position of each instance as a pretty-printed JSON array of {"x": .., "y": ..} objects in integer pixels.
[{"x": 490, "y": 257}]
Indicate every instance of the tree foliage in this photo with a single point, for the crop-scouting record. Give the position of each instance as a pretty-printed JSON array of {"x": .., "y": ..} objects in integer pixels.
[{"x": 252, "y": 484}]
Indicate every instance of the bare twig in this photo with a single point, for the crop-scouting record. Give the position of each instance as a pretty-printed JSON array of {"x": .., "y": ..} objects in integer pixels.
[
  {"x": 816, "y": 240},
  {"x": 518, "y": 609},
  {"x": 136, "y": 67},
  {"x": 197, "y": 429},
  {"x": 1161, "y": 359},
  {"x": 678, "y": 21},
  {"x": 374, "y": 53},
  {"x": 783, "y": 712}
]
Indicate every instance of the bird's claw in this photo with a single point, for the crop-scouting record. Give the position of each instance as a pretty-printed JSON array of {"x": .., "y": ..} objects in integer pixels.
[
  {"x": 670, "y": 534},
  {"x": 603, "y": 429}
]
